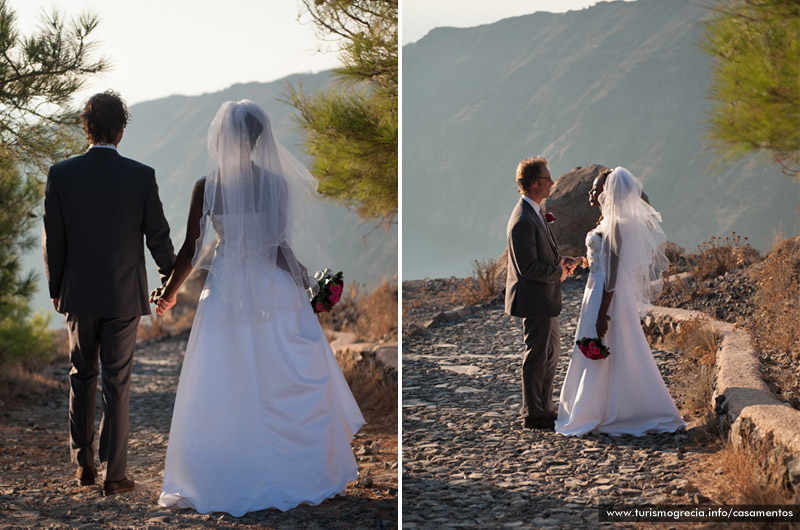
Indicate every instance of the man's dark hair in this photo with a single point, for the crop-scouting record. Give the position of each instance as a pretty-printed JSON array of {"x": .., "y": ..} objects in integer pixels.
[
  {"x": 104, "y": 116},
  {"x": 528, "y": 171}
]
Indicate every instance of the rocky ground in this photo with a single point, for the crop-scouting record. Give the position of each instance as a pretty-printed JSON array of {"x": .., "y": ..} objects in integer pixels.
[
  {"x": 730, "y": 298},
  {"x": 38, "y": 490},
  {"x": 467, "y": 463}
]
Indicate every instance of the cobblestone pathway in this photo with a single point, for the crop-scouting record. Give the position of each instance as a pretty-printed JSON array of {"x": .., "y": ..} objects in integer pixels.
[
  {"x": 38, "y": 490},
  {"x": 467, "y": 463}
]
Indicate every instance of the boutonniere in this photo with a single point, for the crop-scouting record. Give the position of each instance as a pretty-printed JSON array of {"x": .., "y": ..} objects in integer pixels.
[{"x": 549, "y": 217}]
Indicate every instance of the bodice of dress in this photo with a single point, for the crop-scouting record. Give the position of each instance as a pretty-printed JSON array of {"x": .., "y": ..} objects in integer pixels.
[{"x": 594, "y": 246}]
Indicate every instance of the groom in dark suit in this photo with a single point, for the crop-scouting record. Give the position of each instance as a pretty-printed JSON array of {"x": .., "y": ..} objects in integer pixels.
[
  {"x": 97, "y": 208},
  {"x": 533, "y": 291}
]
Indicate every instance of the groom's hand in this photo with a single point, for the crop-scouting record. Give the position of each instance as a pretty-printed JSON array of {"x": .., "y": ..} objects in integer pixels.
[
  {"x": 55, "y": 305},
  {"x": 564, "y": 269},
  {"x": 571, "y": 264}
]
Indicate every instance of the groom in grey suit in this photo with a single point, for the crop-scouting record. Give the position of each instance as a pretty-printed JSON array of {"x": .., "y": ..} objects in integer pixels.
[
  {"x": 533, "y": 291},
  {"x": 98, "y": 207}
]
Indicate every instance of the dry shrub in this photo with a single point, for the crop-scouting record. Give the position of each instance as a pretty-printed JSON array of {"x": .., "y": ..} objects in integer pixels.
[
  {"x": 694, "y": 376},
  {"x": 776, "y": 322},
  {"x": 675, "y": 289},
  {"x": 720, "y": 255},
  {"x": 375, "y": 393},
  {"x": 466, "y": 293},
  {"x": 677, "y": 258},
  {"x": 34, "y": 374},
  {"x": 18, "y": 380},
  {"x": 487, "y": 280},
  {"x": 371, "y": 315},
  {"x": 489, "y": 276},
  {"x": 377, "y": 319},
  {"x": 746, "y": 483}
]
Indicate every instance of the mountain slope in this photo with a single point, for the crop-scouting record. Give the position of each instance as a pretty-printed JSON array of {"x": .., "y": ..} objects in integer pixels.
[{"x": 620, "y": 83}]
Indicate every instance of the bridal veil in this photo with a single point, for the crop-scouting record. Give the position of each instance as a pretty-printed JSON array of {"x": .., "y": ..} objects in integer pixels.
[
  {"x": 634, "y": 239},
  {"x": 265, "y": 209}
]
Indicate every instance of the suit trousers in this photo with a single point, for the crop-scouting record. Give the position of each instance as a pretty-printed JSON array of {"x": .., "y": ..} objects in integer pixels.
[
  {"x": 542, "y": 349},
  {"x": 108, "y": 342}
]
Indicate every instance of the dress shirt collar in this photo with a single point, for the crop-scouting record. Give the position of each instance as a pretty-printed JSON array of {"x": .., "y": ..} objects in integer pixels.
[
  {"x": 534, "y": 204},
  {"x": 104, "y": 146}
]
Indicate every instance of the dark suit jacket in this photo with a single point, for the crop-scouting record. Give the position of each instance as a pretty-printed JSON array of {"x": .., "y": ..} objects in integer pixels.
[
  {"x": 533, "y": 289},
  {"x": 97, "y": 207}
]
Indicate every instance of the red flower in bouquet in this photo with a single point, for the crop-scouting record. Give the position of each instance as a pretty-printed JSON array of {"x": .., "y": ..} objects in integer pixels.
[
  {"x": 593, "y": 348},
  {"x": 325, "y": 291},
  {"x": 549, "y": 217}
]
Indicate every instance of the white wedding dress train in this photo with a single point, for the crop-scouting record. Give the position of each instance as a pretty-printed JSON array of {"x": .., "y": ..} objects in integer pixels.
[
  {"x": 263, "y": 416},
  {"x": 623, "y": 393}
]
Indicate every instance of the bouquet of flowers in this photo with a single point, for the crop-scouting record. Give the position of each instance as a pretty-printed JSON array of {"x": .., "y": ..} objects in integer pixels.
[
  {"x": 593, "y": 348},
  {"x": 325, "y": 290}
]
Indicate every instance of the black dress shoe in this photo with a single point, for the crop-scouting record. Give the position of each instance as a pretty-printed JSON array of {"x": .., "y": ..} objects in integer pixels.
[
  {"x": 113, "y": 487},
  {"x": 86, "y": 476},
  {"x": 546, "y": 423}
]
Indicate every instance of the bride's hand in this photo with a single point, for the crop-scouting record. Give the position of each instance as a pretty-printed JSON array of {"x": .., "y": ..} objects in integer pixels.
[
  {"x": 602, "y": 325},
  {"x": 163, "y": 305}
]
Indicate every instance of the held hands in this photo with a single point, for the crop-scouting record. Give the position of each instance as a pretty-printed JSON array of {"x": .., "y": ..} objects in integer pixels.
[
  {"x": 163, "y": 304},
  {"x": 568, "y": 266}
]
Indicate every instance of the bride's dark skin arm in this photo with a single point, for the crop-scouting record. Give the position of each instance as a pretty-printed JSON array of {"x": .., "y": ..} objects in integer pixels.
[
  {"x": 602, "y": 314},
  {"x": 183, "y": 262}
]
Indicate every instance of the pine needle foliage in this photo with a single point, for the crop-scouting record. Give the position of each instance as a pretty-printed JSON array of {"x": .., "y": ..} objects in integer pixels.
[
  {"x": 755, "y": 80},
  {"x": 39, "y": 75},
  {"x": 351, "y": 129}
]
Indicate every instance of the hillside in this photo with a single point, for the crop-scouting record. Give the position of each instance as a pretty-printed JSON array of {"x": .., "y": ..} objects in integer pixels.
[{"x": 620, "y": 83}]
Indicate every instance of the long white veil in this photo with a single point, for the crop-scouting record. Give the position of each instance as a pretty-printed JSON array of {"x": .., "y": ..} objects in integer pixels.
[
  {"x": 264, "y": 206},
  {"x": 633, "y": 239}
]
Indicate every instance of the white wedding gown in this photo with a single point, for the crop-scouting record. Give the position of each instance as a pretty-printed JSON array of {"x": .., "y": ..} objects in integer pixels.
[
  {"x": 623, "y": 393},
  {"x": 263, "y": 416}
]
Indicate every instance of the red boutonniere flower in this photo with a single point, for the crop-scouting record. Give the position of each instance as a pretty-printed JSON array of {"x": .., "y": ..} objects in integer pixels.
[{"x": 549, "y": 217}]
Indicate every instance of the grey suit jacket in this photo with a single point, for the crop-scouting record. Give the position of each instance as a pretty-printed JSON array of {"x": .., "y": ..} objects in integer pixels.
[
  {"x": 97, "y": 207},
  {"x": 533, "y": 289}
]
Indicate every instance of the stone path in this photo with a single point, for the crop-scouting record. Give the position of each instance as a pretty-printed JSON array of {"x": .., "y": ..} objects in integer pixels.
[
  {"x": 467, "y": 463},
  {"x": 38, "y": 490}
]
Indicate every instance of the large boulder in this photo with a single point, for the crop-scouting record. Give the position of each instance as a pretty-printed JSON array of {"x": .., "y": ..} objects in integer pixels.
[{"x": 569, "y": 203}]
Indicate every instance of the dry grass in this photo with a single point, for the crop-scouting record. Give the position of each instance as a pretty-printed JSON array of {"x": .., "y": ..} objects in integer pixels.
[
  {"x": 694, "y": 376},
  {"x": 720, "y": 255},
  {"x": 377, "y": 318},
  {"x": 677, "y": 258},
  {"x": 18, "y": 381},
  {"x": 27, "y": 376},
  {"x": 743, "y": 482},
  {"x": 487, "y": 280},
  {"x": 375, "y": 393},
  {"x": 776, "y": 324},
  {"x": 466, "y": 293},
  {"x": 713, "y": 259},
  {"x": 372, "y": 316},
  {"x": 490, "y": 277}
]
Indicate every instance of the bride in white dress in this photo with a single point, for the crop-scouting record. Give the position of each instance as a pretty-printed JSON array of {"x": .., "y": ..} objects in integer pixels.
[
  {"x": 623, "y": 393},
  {"x": 263, "y": 416}
]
